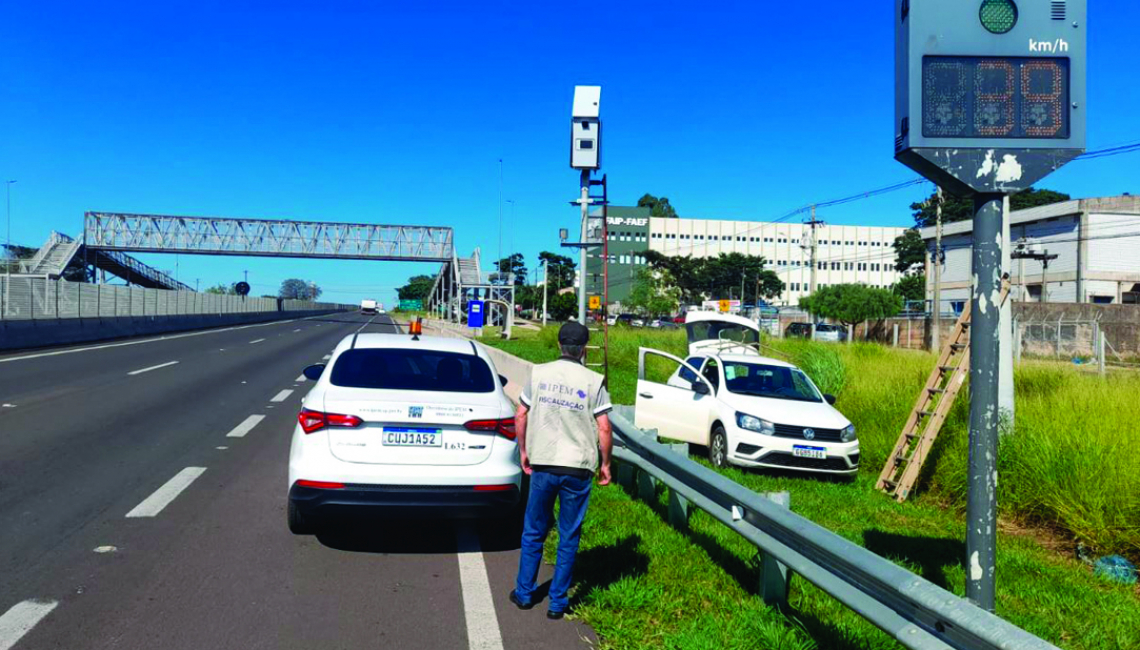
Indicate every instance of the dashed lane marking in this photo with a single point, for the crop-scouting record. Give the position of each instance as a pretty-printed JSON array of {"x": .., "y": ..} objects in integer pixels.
[
  {"x": 256, "y": 341},
  {"x": 282, "y": 396},
  {"x": 21, "y": 618},
  {"x": 478, "y": 607},
  {"x": 142, "y": 370},
  {"x": 300, "y": 378},
  {"x": 326, "y": 357},
  {"x": 245, "y": 427},
  {"x": 162, "y": 497}
]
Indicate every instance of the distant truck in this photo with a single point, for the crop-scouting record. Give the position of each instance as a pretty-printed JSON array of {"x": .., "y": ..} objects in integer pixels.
[{"x": 368, "y": 307}]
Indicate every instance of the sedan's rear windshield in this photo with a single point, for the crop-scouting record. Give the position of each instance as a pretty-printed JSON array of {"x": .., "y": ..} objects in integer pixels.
[
  {"x": 777, "y": 382},
  {"x": 411, "y": 369}
]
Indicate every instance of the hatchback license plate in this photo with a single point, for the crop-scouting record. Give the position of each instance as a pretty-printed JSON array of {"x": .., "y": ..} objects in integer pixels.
[
  {"x": 407, "y": 437},
  {"x": 819, "y": 453}
]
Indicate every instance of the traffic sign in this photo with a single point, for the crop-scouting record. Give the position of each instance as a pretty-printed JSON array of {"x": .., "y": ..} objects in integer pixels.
[
  {"x": 595, "y": 302},
  {"x": 989, "y": 95},
  {"x": 411, "y": 305},
  {"x": 475, "y": 313},
  {"x": 241, "y": 288}
]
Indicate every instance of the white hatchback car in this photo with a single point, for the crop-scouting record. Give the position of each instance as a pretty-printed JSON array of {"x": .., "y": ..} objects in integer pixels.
[
  {"x": 418, "y": 425},
  {"x": 749, "y": 410}
]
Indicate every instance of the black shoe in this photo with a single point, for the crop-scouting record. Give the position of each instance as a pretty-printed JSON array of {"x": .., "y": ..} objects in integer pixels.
[
  {"x": 518, "y": 603},
  {"x": 554, "y": 616}
]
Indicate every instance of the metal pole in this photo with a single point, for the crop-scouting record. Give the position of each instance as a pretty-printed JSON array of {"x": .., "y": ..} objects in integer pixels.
[
  {"x": 498, "y": 267},
  {"x": 1044, "y": 281},
  {"x": 582, "y": 251},
  {"x": 814, "y": 264},
  {"x": 936, "y": 308},
  {"x": 981, "y": 507},
  {"x": 545, "y": 286},
  {"x": 1006, "y": 406},
  {"x": 9, "y": 257}
]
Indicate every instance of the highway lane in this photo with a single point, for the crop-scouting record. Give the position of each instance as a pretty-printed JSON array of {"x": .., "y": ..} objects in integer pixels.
[{"x": 209, "y": 561}]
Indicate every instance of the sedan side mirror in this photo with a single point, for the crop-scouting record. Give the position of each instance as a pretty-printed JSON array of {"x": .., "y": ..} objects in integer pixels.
[
  {"x": 830, "y": 399},
  {"x": 700, "y": 388},
  {"x": 503, "y": 380},
  {"x": 314, "y": 371}
]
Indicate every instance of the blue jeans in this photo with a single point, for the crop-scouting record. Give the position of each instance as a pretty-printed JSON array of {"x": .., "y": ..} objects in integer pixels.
[{"x": 573, "y": 494}]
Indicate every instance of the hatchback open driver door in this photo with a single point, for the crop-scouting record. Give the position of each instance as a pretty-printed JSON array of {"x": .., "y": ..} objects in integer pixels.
[{"x": 678, "y": 413}]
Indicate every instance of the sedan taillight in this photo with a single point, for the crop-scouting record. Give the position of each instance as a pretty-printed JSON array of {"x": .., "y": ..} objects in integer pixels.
[
  {"x": 504, "y": 427},
  {"x": 312, "y": 421}
]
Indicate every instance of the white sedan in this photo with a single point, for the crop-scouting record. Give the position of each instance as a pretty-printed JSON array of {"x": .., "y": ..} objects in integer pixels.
[
  {"x": 412, "y": 424},
  {"x": 749, "y": 410}
]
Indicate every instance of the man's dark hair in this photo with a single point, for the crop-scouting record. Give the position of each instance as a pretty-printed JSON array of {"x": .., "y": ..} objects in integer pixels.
[{"x": 572, "y": 351}]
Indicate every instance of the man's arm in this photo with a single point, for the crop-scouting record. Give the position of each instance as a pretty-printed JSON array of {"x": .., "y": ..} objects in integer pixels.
[
  {"x": 520, "y": 435},
  {"x": 606, "y": 444}
]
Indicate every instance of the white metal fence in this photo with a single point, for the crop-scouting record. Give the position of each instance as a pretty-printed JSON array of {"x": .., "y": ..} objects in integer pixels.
[{"x": 23, "y": 298}]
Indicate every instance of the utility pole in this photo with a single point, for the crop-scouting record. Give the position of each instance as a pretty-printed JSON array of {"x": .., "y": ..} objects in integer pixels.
[
  {"x": 10, "y": 256},
  {"x": 814, "y": 262},
  {"x": 936, "y": 308},
  {"x": 585, "y": 201},
  {"x": 498, "y": 267},
  {"x": 545, "y": 285}
]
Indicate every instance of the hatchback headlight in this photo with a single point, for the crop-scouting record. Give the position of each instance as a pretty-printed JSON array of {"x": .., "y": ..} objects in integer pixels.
[
  {"x": 753, "y": 423},
  {"x": 848, "y": 433}
]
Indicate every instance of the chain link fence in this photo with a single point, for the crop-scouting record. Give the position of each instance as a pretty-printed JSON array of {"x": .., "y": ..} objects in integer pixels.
[{"x": 23, "y": 298}]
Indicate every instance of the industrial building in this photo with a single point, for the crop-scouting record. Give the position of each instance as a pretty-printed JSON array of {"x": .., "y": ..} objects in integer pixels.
[
  {"x": 1094, "y": 241},
  {"x": 846, "y": 254}
]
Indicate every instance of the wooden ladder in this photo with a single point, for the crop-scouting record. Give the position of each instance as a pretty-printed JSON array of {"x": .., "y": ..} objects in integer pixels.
[{"x": 931, "y": 409}]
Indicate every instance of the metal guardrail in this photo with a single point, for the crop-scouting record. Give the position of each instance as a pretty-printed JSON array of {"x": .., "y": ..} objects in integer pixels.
[{"x": 916, "y": 612}]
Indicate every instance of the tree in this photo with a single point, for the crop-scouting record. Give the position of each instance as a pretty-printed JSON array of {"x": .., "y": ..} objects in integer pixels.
[
  {"x": 297, "y": 289},
  {"x": 658, "y": 207},
  {"x": 955, "y": 208},
  {"x": 723, "y": 276},
  {"x": 222, "y": 290},
  {"x": 910, "y": 287},
  {"x": 417, "y": 288},
  {"x": 654, "y": 293},
  {"x": 852, "y": 303},
  {"x": 562, "y": 306},
  {"x": 516, "y": 264},
  {"x": 910, "y": 251},
  {"x": 560, "y": 270}
]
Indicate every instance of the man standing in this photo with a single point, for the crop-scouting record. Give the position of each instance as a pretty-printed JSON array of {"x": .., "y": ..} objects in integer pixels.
[{"x": 561, "y": 423}]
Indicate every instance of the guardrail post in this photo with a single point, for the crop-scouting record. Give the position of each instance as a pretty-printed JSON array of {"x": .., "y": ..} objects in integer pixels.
[
  {"x": 774, "y": 575},
  {"x": 646, "y": 484},
  {"x": 679, "y": 505}
]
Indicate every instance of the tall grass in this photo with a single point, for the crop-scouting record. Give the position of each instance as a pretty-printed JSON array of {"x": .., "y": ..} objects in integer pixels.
[{"x": 1069, "y": 463}]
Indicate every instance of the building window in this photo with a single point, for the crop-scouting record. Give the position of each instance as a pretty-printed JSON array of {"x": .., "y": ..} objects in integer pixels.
[
  {"x": 847, "y": 266},
  {"x": 783, "y": 241},
  {"x": 862, "y": 243},
  {"x": 835, "y": 266},
  {"x": 767, "y": 240},
  {"x": 835, "y": 242},
  {"x": 795, "y": 286}
]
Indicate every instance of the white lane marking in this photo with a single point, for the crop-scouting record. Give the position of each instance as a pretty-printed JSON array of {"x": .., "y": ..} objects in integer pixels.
[
  {"x": 300, "y": 378},
  {"x": 296, "y": 330},
  {"x": 20, "y": 620},
  {"x": 282, "y": 396},
  {"x": 365, "y": 325},
  {"x": 142, "y": 370},
  {"x": 478, "y": 607},
  {"x": 105, "y": 549},
  {"x": 326, "y": 357},
  {"x": 221, "y": 448},
  {"x": 162, "y": 497},
  {"x": 245, "y": 427},
  {"x": 151, "y": 340},
  {"x": 8, "y": 406},
  {"x": 256, "y": 341}
]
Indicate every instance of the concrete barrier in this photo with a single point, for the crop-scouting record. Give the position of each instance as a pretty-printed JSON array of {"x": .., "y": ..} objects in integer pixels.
[{"x": 24, "y": 334}]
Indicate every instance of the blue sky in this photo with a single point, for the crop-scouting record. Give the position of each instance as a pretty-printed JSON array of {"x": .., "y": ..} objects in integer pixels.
[{"x": 399, "y": 112}]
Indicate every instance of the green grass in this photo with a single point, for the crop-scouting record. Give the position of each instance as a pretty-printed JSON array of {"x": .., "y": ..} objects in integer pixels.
[{"x": 1066, "y": 468}]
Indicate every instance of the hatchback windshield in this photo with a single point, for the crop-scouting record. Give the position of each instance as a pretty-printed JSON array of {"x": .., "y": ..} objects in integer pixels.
[
  {"x": 778, "y": 382},
  {"x": 719, "y": 330},
  {"x": 407, "y": 369}
]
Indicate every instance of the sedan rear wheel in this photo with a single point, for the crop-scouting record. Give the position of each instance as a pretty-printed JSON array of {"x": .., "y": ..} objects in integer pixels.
[{"x": 718, "y": 447}]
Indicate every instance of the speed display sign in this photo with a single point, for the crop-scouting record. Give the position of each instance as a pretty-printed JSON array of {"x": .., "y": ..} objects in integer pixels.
[{"x": 989, "y": 93}]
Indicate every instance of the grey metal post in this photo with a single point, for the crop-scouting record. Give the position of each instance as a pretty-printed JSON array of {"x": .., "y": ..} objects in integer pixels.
[
  {"x": 679, "y": 505},
  {"x": 1100, "y": 350},
  {"x": 545, "y": 286},
  {"x": 582, "y": 251},
  {"x": 774, "y": 575},
  {"x": 981, "y": 507},
  {"x": 936, "y": 307},
  {"x": 895, "y": 337}
]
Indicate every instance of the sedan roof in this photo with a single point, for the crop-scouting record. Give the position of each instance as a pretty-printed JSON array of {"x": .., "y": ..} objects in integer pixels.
[
  {"x": 754, "y": 359},
  {"x": 405, "y": 341}
]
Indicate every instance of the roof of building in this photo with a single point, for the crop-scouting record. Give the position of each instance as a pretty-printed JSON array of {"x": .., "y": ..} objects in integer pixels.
[
  {"x": 1125, "y": 204},
  {"x": 623, "y": 212}
]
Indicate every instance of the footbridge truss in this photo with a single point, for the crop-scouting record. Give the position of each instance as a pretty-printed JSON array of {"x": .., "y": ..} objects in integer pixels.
[{"x": 149, "y": 233}]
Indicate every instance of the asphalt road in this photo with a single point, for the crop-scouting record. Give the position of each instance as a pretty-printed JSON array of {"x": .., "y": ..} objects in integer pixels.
[{"x": 142, "y": 505}]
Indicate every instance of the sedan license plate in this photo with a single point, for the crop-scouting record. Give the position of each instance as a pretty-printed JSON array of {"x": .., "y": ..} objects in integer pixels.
[
  {"x": 412, "y": 437},
  {"x": 801, "y": 451}
]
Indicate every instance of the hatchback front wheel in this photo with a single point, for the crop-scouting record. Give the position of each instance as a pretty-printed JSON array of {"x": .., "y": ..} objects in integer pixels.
[{"x": 718, "y": 447}]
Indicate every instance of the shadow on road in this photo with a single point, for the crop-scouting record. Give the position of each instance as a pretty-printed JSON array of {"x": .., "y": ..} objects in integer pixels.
[{"x": 365, "y": 534}]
